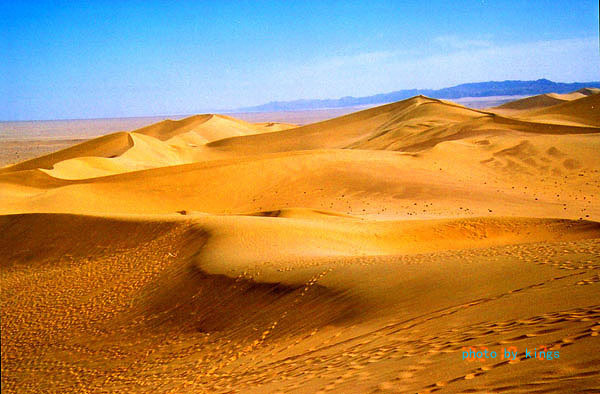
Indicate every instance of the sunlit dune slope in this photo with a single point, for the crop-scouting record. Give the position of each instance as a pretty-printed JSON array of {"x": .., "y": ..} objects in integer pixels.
[{"x": 345, "y": 181}]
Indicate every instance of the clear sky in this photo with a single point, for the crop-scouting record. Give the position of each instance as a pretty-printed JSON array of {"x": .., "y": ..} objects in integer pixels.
[{"x": 80, "y": 59}]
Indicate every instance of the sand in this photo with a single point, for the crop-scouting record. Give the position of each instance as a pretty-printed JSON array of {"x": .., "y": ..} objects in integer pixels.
[
  {"x": 363, "y": 253},
  {"x": 24, "y": 140}
]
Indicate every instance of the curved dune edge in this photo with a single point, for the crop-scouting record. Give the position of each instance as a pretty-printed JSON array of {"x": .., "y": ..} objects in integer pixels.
[
  {"x": 231, "y": 243},
  {"x": 231, "y": 246},
  {"x": 189, "y": 290}
]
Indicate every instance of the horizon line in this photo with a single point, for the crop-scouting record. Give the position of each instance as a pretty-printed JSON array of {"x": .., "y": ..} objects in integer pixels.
[{"x": 247, "y": 108}]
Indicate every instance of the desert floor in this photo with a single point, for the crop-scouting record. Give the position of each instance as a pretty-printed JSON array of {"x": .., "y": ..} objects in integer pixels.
[{"x": 364, "y": 253}]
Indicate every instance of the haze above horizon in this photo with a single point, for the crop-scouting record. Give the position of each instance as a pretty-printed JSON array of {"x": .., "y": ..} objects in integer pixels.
[{"x": 123, "y": 59}]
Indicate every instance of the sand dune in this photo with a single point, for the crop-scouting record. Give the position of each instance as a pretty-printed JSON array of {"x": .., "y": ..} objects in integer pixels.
[
  {"x": 345, "y": 181},
  {"x": 165, "y": 143},
  {"x": 364, "y": 253},
  {"x": 588, "y": 91},
  {"x": 542, "y": 100},
  {"x": 547, "y": 100},
  {"x": 411, "y": 125},
  {"x": 243, "y": 323},
  {"x": 416, "y": 114},
  {"x": 209, "y": 127},
  {"x": 584, "y": 111},
  {"x": 520, "y": 107},
  {"x": 111, "y": 145}
]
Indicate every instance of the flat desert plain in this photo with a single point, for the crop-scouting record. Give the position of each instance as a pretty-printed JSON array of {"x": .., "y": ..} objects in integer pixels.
[{"x": 365, "y": 253}]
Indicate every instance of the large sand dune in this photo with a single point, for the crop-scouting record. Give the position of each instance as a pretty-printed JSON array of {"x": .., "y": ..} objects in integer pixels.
[
  {"x": 364, "y": 253},
  {"x": 585, "y": 112}
]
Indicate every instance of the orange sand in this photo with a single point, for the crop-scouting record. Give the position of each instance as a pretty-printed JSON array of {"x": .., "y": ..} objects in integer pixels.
[{"x": 356, "y": 254}]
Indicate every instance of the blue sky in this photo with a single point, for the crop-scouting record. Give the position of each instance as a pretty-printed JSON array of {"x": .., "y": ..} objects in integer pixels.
[{"x": 82, "y": 59}]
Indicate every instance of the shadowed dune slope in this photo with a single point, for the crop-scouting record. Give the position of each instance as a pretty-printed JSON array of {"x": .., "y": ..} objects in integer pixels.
[
  {"x": 588, "y": 91},
  {"x": 142, "y": 299}
]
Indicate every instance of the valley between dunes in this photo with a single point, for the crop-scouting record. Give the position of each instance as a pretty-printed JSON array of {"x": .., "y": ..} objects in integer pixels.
[{"x": 363, "y": 253}]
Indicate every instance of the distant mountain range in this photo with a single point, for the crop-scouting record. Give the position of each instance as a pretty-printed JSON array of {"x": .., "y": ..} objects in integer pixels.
[{"x": 477, "y": 89}]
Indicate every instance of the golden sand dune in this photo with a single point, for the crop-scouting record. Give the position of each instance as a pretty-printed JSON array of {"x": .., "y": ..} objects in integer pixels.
[
  {"x": 539, "y": 102},
  {"x": 584, "y": 111},
  {"x": 111, "y": 145},
  {"x": 345, "y": 181},
  {"x": 208, "y": 127},
  {"x": 412, "y": 125},
  {"x": 409, "y": 116},
  {"x": 543, "y": 100},
  {"x": 162, "y": 144},
  {"x": 365, "y": 253}
]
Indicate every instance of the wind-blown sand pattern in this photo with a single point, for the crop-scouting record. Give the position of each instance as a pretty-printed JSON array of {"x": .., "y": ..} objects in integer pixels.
[{"x": 357, "y": 254}]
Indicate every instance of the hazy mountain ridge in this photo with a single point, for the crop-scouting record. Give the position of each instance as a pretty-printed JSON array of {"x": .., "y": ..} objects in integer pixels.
[{"x": 476, "y": 89}]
